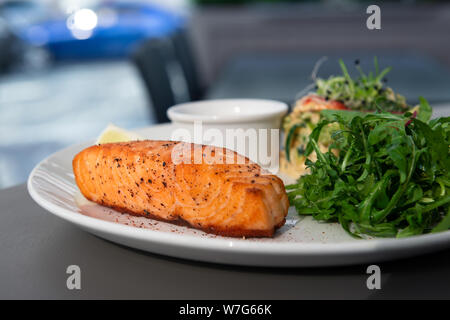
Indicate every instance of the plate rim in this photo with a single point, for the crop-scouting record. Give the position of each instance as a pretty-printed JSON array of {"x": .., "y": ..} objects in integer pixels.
[{"x": 223, "y": 244}]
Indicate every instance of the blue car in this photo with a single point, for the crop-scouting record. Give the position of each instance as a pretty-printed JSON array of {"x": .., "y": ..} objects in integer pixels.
[{"x": 107, "y": 31}]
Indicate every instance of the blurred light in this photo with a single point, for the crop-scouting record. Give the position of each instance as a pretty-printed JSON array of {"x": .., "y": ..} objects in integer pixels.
[
  {"x": 82, "y": 23},
  {"x": 85, "y": 19}
]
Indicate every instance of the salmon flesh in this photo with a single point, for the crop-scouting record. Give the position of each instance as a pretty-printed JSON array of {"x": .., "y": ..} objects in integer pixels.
[{"x": 231, "y": 198}]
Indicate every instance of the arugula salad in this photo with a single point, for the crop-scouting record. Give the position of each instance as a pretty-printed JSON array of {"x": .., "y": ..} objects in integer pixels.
[
  {"x": 368, "y": 160},
  {"x": 384, "y": 174}
]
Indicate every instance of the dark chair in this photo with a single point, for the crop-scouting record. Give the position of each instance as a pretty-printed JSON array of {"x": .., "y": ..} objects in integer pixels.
[
  {"x": 185, "y": 55},
  {"x": 151, "y": 59},
  {"x": 169, "y": 72}
]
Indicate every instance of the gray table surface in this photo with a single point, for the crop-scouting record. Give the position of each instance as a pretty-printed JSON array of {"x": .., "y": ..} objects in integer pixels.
[
  {"x": 36, "y": 248},
  {"x": 281, "y": 76}
]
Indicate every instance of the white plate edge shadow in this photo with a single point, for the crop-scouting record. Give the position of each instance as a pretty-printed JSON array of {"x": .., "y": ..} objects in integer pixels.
[{"x": 238, "y": 251}]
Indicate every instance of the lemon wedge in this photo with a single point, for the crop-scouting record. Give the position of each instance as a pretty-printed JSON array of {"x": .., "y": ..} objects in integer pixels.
[{"x": 113, "y": 133}]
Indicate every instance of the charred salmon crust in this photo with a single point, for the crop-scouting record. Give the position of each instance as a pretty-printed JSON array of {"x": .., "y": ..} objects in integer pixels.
[{"x": 230, "y": 196}]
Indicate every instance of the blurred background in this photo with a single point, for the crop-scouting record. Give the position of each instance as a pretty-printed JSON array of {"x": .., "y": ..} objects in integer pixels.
[{"x": 68, "y": 68}]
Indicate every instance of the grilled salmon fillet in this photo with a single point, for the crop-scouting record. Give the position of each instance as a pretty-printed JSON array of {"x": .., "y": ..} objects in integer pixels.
[{"x": 232, "y": 199}]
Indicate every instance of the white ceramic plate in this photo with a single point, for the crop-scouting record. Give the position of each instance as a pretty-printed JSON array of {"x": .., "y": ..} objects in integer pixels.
[{"x": 301, "y": 242}]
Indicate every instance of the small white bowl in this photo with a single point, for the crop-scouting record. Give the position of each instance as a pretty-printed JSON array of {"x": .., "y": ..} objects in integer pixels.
[
  {"x": 225, "y": 115},
  {"x": 247, "y": 112}
]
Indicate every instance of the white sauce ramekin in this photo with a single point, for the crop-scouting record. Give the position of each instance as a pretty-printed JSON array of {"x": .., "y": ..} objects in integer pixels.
[{"x": 224, "y": 116}]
